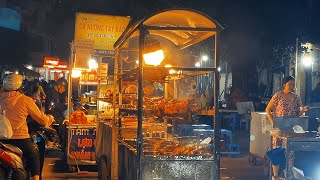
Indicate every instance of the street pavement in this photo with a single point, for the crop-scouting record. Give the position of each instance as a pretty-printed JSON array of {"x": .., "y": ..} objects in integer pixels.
[
  {"x": 232, "y": 168},
  {"x": 55, "y": 168}
]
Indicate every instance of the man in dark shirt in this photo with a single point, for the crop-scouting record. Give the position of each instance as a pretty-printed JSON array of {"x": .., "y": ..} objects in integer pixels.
[{"x": 56, "y": 105}]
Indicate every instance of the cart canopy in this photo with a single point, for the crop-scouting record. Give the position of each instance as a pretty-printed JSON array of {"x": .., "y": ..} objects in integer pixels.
[{"x": 168, "y": 24}]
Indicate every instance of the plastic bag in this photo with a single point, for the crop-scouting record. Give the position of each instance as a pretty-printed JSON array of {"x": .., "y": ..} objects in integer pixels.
[{"x": 6, "y": 131}]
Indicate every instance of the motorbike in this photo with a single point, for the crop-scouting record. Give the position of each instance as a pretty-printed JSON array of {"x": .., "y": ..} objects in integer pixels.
[
  {"x": 56, "y": 137},
  {"x": 12, "y": 165}
]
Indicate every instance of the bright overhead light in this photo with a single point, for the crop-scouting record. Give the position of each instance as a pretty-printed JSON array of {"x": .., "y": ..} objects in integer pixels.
[
  {"x": 154, "y": 58},
  {"x": 307, "y": 60},
  {"x": 219, "y": 69},
  {"x": 172, "y": 71},
  {"x": 29, "y": 67},
  {"x": 92, "y": 64},
  {"x": 168, "y": 66},
  {"x": 152, "y": 53},
  {"x": 197, "y": 64},
  {"x": 205, "y": 58}
]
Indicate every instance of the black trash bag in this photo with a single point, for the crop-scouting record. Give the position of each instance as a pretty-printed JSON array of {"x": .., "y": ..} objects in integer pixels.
[{"x": 276, "y": 156}]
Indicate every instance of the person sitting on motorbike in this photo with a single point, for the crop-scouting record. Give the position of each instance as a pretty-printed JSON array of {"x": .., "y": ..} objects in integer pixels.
[
  {"x": 56, "y": 105},
  {"x": 18, "y": 106}
]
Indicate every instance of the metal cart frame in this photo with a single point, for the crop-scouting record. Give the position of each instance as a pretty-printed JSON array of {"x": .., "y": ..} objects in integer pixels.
[{"x": 167, "y": 24}]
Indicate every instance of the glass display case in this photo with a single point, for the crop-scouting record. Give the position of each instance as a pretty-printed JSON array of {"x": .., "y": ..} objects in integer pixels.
[{"x": 157, "y": 75}]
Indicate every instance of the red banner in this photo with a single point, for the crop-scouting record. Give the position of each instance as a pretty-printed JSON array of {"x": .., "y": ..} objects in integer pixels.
[
  {"x": 51, "y": 62},
  {"x": 63, "y": 66}
]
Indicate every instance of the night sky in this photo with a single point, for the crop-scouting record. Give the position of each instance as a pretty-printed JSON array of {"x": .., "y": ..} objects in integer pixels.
[{"x": 250, "y": 25}]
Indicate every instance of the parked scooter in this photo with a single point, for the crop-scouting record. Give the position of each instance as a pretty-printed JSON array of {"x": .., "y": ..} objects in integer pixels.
[
  {"x": 51, "y": 134},
  {"x": 12, "y": 165},
  {"x": 56, "y": 139}
]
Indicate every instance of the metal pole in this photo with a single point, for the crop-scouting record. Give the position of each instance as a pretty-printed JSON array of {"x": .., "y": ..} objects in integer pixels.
[
  {"x": 217, "y": 122},
  {"x": 116, "y": 84},
  {"x": 296, "y": 62},
  {"x": 70, "y": 79},
  {"x": 308, "y": 73},
  {"x": 140, "y": 100}
]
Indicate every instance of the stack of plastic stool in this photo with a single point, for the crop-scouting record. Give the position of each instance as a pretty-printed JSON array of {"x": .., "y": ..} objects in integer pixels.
[
  {"x": 235, "y": 119},
  {"x": 227, "y": 136}
]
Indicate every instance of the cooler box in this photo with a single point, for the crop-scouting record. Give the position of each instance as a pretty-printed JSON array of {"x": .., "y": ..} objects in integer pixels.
[{"x": 260, "y": 138}]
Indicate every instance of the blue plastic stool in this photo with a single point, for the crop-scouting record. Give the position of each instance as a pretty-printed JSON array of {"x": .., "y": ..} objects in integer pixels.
[
  {"x": 235, "y": 119},
  {"x": 227, "y": 135},
  {"x": 235, "y": 148}
]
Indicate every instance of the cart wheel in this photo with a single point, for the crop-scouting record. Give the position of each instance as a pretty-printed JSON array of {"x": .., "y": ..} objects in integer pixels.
[{"x": 102, "y": 169}]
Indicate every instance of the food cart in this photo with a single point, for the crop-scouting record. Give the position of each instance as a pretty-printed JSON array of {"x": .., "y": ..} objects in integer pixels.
[
  {"x": 91, "y": 52},
  {"x": 301, "y": 148},
  {"x": 301, "y": 152},
  {"x": 81, "y": 123},
  {"x": 141, "y": 143}
]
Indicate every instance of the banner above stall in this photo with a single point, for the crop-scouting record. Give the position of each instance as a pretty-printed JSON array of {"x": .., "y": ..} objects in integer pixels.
[
  {"x": 92, "y": 77},
  {"x": 103, "y": 30}
]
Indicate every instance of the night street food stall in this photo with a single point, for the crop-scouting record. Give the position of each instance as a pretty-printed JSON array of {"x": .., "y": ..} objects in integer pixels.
[
  {"x": 91, "y": 52},
  {"x": 140, "y": 142}
]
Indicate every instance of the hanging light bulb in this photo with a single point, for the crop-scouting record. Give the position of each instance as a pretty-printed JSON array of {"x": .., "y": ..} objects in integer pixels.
[{"x": 153, "y": 54}]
